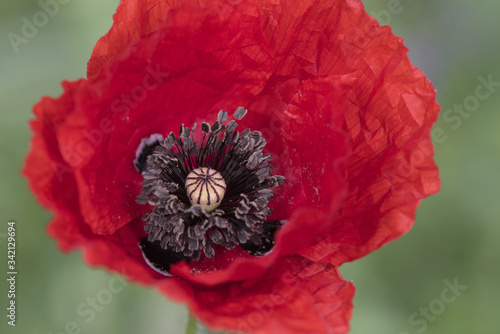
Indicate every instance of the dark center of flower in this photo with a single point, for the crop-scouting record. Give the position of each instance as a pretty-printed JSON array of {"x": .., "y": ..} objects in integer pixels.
[{"x": 212, "y": 192}]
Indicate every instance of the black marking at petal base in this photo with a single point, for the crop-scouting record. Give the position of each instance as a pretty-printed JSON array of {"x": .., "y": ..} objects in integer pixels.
[
  {"x": 145, "y": 149},
  {"x": 266, "y": 242},
  {"x": 176, "y": 225},
  {"x": 159, "y": 258}
]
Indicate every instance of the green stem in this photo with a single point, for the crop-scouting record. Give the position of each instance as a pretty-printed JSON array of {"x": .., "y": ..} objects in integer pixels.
[{"x": 192, "y": 325}]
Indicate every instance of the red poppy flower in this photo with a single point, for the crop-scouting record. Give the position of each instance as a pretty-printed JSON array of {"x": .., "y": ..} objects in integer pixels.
[{"x": 331, "y": 97}]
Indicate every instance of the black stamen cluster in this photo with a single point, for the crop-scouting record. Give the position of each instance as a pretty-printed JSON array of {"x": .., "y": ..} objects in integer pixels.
[{"x": 176, "y": 225}]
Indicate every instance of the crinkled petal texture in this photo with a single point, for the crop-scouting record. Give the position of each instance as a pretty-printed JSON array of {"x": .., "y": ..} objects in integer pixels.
[
  {"x": 346, "y": 116},
  {"x": 294, "y": 296}
]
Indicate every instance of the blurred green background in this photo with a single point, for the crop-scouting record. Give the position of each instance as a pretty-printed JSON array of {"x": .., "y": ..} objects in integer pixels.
[{"x": 454, "y": 238}]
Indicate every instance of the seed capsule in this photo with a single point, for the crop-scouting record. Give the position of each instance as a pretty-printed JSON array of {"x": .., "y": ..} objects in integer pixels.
[{"x": 205, "y": 187}]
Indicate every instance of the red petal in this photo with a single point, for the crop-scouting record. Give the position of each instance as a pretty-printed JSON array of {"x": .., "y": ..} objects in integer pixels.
[
  {"x": 389, "y": 115},
  {"x": 133, "y": 20},
  {"x": 224, "y": 65},
  {"x": 296, "y": 296},
  {"x": 47, "y": 172},
  {"x": 391, "y": 168},
  {"x": 119, "y": 252}
]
